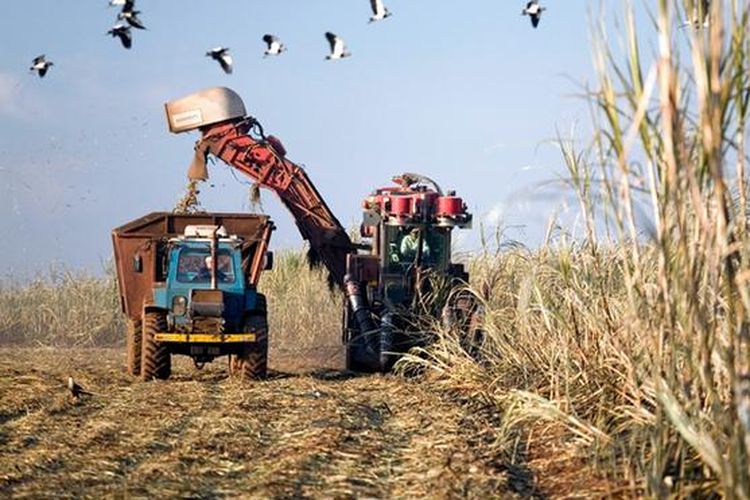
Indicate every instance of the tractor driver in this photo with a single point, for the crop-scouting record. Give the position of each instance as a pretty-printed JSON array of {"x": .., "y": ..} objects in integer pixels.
[
  {"x": 409, "y": 245},
  {"x": 222, "y": 269}
]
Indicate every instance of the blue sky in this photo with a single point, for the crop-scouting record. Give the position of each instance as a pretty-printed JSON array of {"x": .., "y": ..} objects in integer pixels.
[{"x": 465, "y": 92}]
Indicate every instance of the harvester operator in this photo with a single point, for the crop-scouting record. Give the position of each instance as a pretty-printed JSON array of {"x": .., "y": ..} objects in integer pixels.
[{"x": 409, "y": 245}]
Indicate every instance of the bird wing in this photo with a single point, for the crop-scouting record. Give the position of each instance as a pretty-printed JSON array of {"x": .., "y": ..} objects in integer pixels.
[
  {"x": 377, "y": 7},
  {"x": 128, "y": 6},
  {"x": 125, "y": 37},
  {"x": 37, "y": 60},
  {"x": 226, "y": 62},
  {"x": 135, "y": 22},
  {"x": 268, "y": 39},
  {"x": 331, "y": 40},
  {"x": 535, "y": 20},
  {"x": 43, "y": 71}
]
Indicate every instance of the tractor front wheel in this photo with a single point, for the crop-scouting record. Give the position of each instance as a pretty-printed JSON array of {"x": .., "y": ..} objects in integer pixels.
[{"x": 156, "y": 362}]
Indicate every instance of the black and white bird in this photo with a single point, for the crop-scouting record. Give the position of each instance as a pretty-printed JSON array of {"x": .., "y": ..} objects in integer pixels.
[
  {"x": 338, "y": 47},
  {"x": 274, "y": 47},
  {"x": 701, "y": 11},
  {"x": 379, "y": 11},
  {"x": 131, "y": 17},
  {"x": 534, "y": 11},
  {"x": 40, "y": 65},
  {"x": 122, "y": 31},
  {"x": 76, "y": 390},
  {"x": 221, "y": 54}
]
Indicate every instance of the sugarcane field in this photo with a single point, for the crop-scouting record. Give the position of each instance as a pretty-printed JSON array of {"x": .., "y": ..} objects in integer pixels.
[{"x": 375, "y": 250}]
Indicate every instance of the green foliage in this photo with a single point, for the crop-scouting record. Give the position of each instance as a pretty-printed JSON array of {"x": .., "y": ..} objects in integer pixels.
[{"x": 637, "y": 346}]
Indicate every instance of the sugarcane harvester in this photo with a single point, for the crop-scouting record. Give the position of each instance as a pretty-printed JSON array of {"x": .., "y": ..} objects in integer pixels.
[{"x": 406, "y": 228}]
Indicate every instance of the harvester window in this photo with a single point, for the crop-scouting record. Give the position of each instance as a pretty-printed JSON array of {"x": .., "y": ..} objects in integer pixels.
[
  {"x": 402, "y": 244},
  {"x": 409, "y": 246},
  {"x": 194, "y": 266}
]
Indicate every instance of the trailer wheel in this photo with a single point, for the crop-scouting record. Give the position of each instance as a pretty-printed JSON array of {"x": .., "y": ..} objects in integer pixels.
[
  {"x": 134, "y": 345},
  {"x": 156, "y": 362},
  {"x": 252, "y": 361}
]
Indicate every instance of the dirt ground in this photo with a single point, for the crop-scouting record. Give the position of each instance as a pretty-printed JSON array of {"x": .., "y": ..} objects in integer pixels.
[{"x": 204, "y": 435}]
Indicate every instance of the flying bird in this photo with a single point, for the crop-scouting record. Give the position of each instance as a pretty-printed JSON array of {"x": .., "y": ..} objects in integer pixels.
[
  {"x": 379, "y": 11},
  {"x": 76, "y": 390},
  {"x": 534, "y": 11},
  {"x": 338, "y": 48},
  {"x": 40, "y": 65},
  {"x": 131, "y": 16},
  {"x": 274, "y": 47},
  {"x": 123, "y": 32},
  {"x": 701, "y": 11},
  {"x": 221, "y": 54},
  {"x": 127, "y": 5}
]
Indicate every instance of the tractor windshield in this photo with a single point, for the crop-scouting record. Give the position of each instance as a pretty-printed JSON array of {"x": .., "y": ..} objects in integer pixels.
[
  {"x": 403, "y": 243},
  {"x": 194, "y": 266}
]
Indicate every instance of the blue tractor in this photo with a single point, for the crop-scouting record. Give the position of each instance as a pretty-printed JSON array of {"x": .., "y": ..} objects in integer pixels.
[{"x": 188, "y": 285}]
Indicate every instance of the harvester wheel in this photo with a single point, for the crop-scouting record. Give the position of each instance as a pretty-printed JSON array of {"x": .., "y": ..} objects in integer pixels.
[
  {"x": 133, "y": 342},
  {"x": 156, "y": 362},
  {"x": 252, "y": 362}
]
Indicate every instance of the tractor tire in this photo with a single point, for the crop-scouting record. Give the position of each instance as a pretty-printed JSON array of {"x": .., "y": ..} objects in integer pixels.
[
  {"x": 134, "y": 343},
  {"x": 252, "y": 361},
  {"x": 156, "y": 362}
]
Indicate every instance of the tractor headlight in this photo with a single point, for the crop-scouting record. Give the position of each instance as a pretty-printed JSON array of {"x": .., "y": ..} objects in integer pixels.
[{"x": 179, "y": 305}]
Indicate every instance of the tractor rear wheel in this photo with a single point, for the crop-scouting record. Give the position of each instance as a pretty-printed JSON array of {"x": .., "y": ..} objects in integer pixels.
[
  {"x": 252, "y": 361},
  {"x": 156, "y": 362},
  {"x": 133, "y": 342}
]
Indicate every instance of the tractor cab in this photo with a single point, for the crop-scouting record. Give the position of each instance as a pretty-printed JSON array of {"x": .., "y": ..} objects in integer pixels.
[{"x": 205, "y": 279}]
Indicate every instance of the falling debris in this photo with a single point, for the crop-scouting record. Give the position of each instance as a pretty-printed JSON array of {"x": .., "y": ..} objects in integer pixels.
[
  {"x": 256, "y": 204},
  {"x": 189, "y": 203}
]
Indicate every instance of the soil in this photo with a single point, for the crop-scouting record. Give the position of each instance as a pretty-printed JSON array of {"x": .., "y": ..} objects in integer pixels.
[{"x": 203, "y": 434}]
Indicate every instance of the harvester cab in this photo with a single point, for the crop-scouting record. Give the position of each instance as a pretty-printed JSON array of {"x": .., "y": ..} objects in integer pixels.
[
  {"x": 188, "y": 285},
  {"x": 408, "y": 270}
]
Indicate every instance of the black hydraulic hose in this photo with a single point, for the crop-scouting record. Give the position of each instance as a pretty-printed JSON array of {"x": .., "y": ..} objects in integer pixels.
[{"x": 358, "y": 304}]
